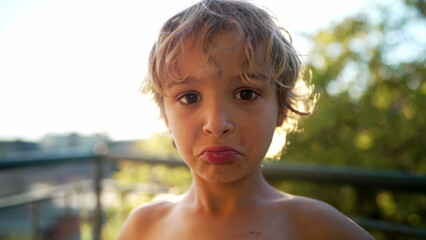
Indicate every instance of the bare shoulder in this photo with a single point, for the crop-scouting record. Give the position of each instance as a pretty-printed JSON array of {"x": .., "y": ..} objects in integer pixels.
[
  {"x": 318, "y": 220},
  {"x": 143, "y": 219}
]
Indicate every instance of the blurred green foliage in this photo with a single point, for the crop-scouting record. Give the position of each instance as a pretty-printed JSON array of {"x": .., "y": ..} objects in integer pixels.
[
  {"x": 141, "y": 183},
  {"x": 370, "y": 72},
  {"x": 160, "y": 145},
  {"x": 371, "y": 110}
]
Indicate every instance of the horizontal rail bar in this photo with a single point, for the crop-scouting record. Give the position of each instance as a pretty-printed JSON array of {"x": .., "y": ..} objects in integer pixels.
[
  {"x": 148, "y": 160},
  {"x": 85, "y": 186},
  {"x": 25, "y": 161},
  {"x": 390, "y": 227},
  {"x": 40, "y": 195},
  {"x": 367, "y": 178}
]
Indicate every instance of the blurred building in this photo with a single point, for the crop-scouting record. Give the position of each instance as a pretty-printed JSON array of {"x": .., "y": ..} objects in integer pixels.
[
  {"x": 71, "y": 143},
  {"x": 17, "y": 146}
]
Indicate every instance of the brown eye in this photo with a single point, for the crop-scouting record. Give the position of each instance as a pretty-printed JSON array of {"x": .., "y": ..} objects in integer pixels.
[
  {"x": 189, "y": 98},
  {"x": 246, "y": 95}
]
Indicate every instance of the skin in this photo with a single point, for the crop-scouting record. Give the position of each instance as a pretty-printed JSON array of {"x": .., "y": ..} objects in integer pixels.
[{"x": 229, "y": 201}]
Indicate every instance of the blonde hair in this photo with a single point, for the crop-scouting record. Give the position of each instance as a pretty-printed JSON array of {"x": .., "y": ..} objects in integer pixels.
[{"x": 204, "y": 20}]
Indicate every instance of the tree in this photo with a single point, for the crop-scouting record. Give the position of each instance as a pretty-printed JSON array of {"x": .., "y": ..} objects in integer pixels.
[{"x": 370, "y": 72}]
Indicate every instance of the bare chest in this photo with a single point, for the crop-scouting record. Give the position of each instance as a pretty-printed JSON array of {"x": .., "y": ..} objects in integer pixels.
[{"x": 251, "y": 227}]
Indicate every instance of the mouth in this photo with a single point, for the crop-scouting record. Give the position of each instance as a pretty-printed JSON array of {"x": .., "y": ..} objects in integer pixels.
[{"x": 219, "y": 154}]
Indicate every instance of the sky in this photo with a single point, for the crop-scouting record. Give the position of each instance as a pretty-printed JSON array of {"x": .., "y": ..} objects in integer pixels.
[{"x": 75, "y": 66}]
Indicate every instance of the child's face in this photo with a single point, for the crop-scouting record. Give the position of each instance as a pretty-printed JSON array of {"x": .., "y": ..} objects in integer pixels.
[{"x": 222, "y": 127}]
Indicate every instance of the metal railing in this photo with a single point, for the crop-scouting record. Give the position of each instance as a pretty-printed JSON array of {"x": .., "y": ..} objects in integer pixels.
[{"x": 374, "y": 179}]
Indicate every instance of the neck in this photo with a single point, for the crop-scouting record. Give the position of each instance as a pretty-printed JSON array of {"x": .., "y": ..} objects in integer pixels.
[{"x": 222, "y": 198}]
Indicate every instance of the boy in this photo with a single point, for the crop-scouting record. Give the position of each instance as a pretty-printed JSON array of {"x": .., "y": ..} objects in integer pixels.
[{"x": 224, "y": 77}]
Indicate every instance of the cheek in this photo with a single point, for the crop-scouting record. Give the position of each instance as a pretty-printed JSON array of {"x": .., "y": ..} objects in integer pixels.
[
  {"x": 180, "y": 130},
  {"x": 258, "y": 132},
  {"x": 178, "y": 138}
]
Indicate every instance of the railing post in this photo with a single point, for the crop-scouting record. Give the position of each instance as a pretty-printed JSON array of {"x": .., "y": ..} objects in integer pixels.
[
  {"x": 98, "y": 174},
  {"x": 66, "y": 224},
  {"x": 35, "y": 220}
]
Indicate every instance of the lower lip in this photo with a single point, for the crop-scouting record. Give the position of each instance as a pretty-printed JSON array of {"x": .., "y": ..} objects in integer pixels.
[{"x": 219, "y": 157}]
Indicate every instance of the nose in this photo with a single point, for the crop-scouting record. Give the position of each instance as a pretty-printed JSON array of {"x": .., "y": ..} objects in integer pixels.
[{"x": 218, "y": 119}]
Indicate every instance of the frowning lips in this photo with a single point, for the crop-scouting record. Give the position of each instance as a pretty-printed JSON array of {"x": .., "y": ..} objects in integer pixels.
[{"x": 219, "y": 154}]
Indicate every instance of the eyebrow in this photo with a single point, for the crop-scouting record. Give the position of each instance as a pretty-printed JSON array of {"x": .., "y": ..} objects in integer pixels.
[
  {"x": 188, "y": 80},
  {"x": 256, "y": 75},
  {"x": 172, "y": 83}
]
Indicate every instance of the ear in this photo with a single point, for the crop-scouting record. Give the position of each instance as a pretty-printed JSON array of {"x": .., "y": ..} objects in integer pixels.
[
  {"x": 164, "y": 117},
  {"x": 166, "y": 121},
  {"x": 282, "y": 114}
]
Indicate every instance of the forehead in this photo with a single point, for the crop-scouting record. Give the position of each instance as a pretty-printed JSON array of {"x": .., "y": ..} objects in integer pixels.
[
  {"x": 198, "y": 59},
  {"x": 224, "y": 54},
  {"x": 230, "y": 43}
]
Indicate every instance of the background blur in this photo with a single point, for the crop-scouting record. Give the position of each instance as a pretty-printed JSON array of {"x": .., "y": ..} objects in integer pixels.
[
  {"x": 69, "y": 85},
  {"x": 76, "y": 66}
]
